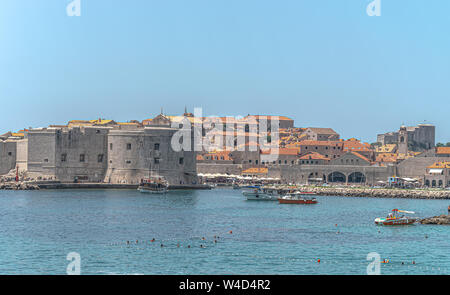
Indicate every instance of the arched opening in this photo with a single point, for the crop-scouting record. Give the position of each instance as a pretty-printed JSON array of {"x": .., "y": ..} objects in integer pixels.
[
  {"x": 427, "y": 182},
  {"x": 433, "y": 183},
  {"x": 336, "y": 177},
  {"x": 440, "y": 183},
  {"x": 357, "y": 177}
]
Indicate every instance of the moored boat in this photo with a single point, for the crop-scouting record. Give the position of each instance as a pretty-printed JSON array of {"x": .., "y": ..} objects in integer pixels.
[
  {"x": 256, "y": 193},
  {"x": 395, "y": 218},
  {"x": 298, "y": 198},
  {"x": 153, "y": 186}
]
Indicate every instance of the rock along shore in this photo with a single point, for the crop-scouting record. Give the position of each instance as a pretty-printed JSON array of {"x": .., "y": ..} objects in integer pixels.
[
  {"x": 442, "y": 219},
  {"x": 379, "y": 192},
  {"x": 18, "y": 186}
]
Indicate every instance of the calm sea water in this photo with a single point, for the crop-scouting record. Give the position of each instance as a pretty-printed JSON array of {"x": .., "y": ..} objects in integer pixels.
[{"x": 39, "y": 228}]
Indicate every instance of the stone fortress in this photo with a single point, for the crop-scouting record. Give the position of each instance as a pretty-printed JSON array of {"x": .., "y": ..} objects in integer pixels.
[
  {"x": 97, "y": 152},
  {"x": 109, "y": 152}
]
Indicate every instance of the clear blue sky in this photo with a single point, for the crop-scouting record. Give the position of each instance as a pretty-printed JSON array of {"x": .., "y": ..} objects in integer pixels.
[{"x": 324, "y": 63}]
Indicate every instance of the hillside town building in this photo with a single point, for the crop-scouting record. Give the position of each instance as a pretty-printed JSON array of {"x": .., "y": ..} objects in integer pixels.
[{"x": 107, "y": 151}]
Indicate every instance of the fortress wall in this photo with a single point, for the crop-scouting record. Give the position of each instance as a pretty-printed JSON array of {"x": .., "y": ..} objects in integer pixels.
[
  {"x": 22, "y": 154},
  {"x": 232, "y": 169},
  {"x": 91, "y": 142},
  {"x": 416, "y": 167},
  {"x": 7, "y": 156},
  {"x": 132, "y": 156},
  {"x": 41, "y": 152}
]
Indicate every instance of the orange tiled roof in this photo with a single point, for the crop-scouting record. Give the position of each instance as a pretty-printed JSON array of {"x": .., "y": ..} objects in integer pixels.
[
  {"x": 257, "y": 170},
  {"x": 360, "y": 156},
  {"x": 319, "y": 130},
  {"x": 386, "y": 157},
  {"x": 283, "y": 151},
  {"x": 320, "y": 142},
  {"x": 270, "y": 117},
  {"x": 355, "y": 145},
  {"x": 440, "y": 165},
  {"x": 443, "y": 150},
  {"x": 314, "y": 156}
]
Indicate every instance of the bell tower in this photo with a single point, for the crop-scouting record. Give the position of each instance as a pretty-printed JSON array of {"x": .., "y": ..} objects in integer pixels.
[{"x": 403, "y": 140}]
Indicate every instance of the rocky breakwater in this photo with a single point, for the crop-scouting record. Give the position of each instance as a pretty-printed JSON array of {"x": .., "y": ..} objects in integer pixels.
[
  {"x": 442, "y": 219},
  {"x": 379, "y": 193},
  {"x": 18, "y": 186}
]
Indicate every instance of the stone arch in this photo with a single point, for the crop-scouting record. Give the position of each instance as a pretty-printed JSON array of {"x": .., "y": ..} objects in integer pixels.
[
  {"x": 356, "y": 177},
  {"x": 337, "y": 176}
]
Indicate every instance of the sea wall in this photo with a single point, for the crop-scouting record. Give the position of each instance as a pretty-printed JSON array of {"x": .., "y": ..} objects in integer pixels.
[{"x": 379, "y": 193}]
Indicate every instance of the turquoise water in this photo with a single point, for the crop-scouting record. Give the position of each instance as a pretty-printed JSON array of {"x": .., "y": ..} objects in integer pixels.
[{"x": 39, "y": 228}]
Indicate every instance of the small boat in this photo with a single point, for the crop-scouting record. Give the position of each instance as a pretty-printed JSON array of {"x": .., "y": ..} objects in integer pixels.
[
  {"x": 256, "y": 193},
  {"x": 298, "y": 198},
  {"x": 153, "y": 186},
  {"x": 395, "y": 218}
]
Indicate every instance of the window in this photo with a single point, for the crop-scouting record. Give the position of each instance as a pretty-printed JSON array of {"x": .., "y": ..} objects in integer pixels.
[
  {"x": 110, "y": 146},
  {"x": 128, "y": 162},
  {"x": 82, "y": 158},
  {"x": 100, "y": 158},
  {"x": 128, "y": 146},
  {"x": 181, "y": 161},
  {"x": 9, "y": 154},
  {"x": 157, "y": 160},
  {"x": 46, "y": 160},
  {"x": 156, "y": 146},
  {"x": 63, "y": 157}
]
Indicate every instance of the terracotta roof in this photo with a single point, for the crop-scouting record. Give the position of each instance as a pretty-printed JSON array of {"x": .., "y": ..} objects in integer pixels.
[
  {"x": 440, "y": 165},
  {"x": 257, "y": 170},
  {"x": 314, "y": 156},
  {"x": 283, "y": 151},
  {"x": 387, "y": 148},
  {"x": 271, "y": 117},
  {"x": 360, "y": 156},
  {"x": 443, "y": 150},
  {"x": 320, "y": 142},
  {"x": 386, "y": 157},
  {"x": 356, "y": 145},
  {"x": 329, "y": 131},
  {"x": 101, "y": 121}
]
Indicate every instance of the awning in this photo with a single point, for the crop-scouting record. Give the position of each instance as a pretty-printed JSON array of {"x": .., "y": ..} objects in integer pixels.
[
  {"x": 436, "y": 171},
  {"x": 409, "y": 179}
]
